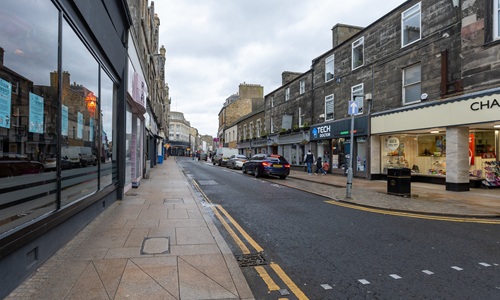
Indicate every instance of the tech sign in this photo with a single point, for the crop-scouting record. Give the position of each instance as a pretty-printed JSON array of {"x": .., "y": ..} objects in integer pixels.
[{"x": 322, "y": 132}]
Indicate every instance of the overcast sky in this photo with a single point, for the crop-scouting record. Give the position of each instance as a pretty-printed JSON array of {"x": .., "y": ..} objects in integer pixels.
[{"x": 214, "y": 45}]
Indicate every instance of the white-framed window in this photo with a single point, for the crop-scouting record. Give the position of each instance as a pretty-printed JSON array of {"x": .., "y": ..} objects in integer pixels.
[
  {"x": 287, "y": 94},
  {"x": 412, "y": 77},
  {"x": 411, "y": 27},
  {"x": 329, "y": 68},
  {"x": 250, "y": 131},
  {"x": 271, "y": 125},
  {"x": 329, "y": 105},
  {"x": 496, "y": 19},
  {"x": 244, "y": 131},
  {"x": 302, "y": 86},
  {"x": 300, "y": 117},
  {"x": 257, "y": 134},
  {"x": 358, "y": 53},
  {"x": 357, "y": 95},
  {"x": 272, "y": 101}
]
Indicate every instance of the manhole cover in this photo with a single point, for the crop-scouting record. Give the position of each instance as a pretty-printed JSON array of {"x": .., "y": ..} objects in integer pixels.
[
  {"x": 155, "y": 245},
  {"x": 251, "y": 260},
  {"x": 207, "y": 182}
]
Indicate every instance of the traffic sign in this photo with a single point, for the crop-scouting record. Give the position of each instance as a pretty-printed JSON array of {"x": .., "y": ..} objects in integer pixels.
[{"x": 353, "y": 108}]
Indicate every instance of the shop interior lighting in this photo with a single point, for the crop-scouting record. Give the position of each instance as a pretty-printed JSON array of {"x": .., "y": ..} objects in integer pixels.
[
  {"x": 497, "y": 126},
  {"x": 435, "y": 131}
]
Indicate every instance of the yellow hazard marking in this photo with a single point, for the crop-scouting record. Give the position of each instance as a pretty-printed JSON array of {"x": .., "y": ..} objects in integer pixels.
[
  {"x": 271, "y": 285},
  {"x": 416, "y": 215},
  {"x": 291, "y": 285}
]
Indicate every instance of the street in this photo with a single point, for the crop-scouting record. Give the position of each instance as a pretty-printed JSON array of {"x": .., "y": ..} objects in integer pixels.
[{"x": 333, "y": 252}]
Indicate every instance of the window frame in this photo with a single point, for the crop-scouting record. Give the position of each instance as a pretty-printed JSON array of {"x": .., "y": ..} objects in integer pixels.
[
  {"x": 358, "y": 90},
  {"x": 354, "y": 46},
  {"x": 404, "y": 86},
  {"x": 408, "y": 15},
  {"x": 329, "y": 98},
  {"x": 287, "y": 93},
  {"x": 330, "y": 61},
  {"x": 302, "y": 86},
  {"x": 496, "y": 20}
]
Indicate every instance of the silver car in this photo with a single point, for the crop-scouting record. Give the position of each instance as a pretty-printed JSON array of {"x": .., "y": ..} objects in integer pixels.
[{"x": 236, "y": 161}]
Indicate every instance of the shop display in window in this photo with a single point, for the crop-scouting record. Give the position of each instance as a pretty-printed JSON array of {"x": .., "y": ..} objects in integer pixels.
[{"x": 492, "y": 174}]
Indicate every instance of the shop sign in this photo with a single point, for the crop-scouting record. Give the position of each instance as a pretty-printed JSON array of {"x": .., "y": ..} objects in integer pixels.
[
  {"x": 480, "y": 105},
  {"x": 392, "y": 143},
  {"x": 322, "y": 131}
]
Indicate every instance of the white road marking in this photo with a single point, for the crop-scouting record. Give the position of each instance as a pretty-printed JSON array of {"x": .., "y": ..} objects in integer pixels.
[
  {"x": 457, "y": 268},
  {"x": 428, "y": 272},
  {"x": 326, "y": 286},
  {"x": 485, "y": 264},
  {"x": 395, "y": 276},
  {"x": 364, "y": 281}
]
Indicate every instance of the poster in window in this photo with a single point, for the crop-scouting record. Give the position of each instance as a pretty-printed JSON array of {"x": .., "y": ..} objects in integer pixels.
[
  {"x": 5, "y": 103},
  {"x": 64, "y": 120},
  {"x": 36, "y": 113},
  {"x": 79, "y": 129}
]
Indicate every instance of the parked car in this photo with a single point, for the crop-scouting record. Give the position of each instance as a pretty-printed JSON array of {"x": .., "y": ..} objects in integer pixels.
[
  {"x": 203, "y": 156},
  {"x": 236, "y": 161},
  {"x": 51, "y": 160},
  {"x": 221, "y": 155},
  {"x": 13, "y": 164},
  {"x": 79, "y": 156},
  {"x": 267, "y": 164}
]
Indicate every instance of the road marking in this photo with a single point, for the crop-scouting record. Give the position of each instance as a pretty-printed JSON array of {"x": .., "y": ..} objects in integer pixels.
[
  {"x": 428, "y": 272},
  {"x": 271, "y": 285},
  {"x": 415, "y": 215},
  {"x": 364, "y": 281},
  {"x": 326, "y": 286},
  {"x": 252, "y": 242},
  {"x": 395, "y": 276},
  {"x": 233, "y": 234},
  {"x": 457, "y": 268},
  {"x": 485, "y": 264},
  {"x": 293, "y": 287}
]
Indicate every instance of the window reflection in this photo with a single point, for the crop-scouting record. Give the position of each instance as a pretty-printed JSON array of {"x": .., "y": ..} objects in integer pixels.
[
  {"x": 79, "y": 120},
  {"x": 109, "y": 172},
  {"x": 28, "y": 110}
]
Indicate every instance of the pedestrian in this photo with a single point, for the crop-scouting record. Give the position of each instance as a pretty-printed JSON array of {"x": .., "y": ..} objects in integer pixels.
[
  {"x": 309, "y": 160},
  {"x": 319, "y": 166}
]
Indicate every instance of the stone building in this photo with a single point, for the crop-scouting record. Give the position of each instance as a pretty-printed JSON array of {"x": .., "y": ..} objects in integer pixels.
[{"x": 249, "y": 97}]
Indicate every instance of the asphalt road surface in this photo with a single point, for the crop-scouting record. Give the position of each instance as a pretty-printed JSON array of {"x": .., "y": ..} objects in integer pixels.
[{"x": 314, "y": 249}]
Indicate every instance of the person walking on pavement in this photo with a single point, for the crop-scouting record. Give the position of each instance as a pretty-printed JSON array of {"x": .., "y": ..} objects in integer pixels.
[
  {"x": 319, "y": 166},
  {"x": 309, "y": 160}
]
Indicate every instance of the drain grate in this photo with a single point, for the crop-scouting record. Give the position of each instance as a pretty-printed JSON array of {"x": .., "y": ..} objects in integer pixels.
[{"x": 251, "y": 260}]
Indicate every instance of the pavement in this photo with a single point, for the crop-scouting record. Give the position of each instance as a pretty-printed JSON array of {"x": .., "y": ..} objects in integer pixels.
[{"x": 160, "y": 242}]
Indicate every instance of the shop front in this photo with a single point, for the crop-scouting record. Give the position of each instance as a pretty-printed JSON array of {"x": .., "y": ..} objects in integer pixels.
[
  {"x": 453, "y": 142},
  {"x": 333, "y": 142}
]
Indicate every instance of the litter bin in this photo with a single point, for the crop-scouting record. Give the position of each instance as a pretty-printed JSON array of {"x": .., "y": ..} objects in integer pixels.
[{"x": 399, "y": 181}]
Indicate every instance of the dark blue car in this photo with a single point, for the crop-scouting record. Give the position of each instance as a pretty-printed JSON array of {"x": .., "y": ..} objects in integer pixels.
[{"x": 267, "y": 164}]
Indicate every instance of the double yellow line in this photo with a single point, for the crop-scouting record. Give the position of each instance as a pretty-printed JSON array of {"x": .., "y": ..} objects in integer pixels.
[
  {"x": 416, "y": 215},
  {"x": 226, "y": 220}
]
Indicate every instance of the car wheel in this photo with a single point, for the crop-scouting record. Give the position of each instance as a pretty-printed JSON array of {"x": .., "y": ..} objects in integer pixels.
[
  {"x": 282, "y": 176},
  {"x": 256, "y": 172},
  {"x": 243, "y": 170}
]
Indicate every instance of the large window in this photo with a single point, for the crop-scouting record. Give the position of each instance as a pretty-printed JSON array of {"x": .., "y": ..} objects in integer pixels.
[
  {"x": 357, "y": 93},
  {"x": 108, "y": 158},
  {"x": 496, "y": 19},
  {"x": 329, "y": 105},
  {"x": 80, "y": 118},
  {"x": 28, "y": 111},
  {"x": 329, "y": 68},
  {"x": 358, "y": 50},
  {"x": 412, "y": 84},
  {"x": 410, "y": 25}
]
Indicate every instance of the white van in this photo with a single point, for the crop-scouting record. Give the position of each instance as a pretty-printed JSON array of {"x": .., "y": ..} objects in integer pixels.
[
  {"x": 222, "y": 155},
  {"x": 78, "y": 156}
]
